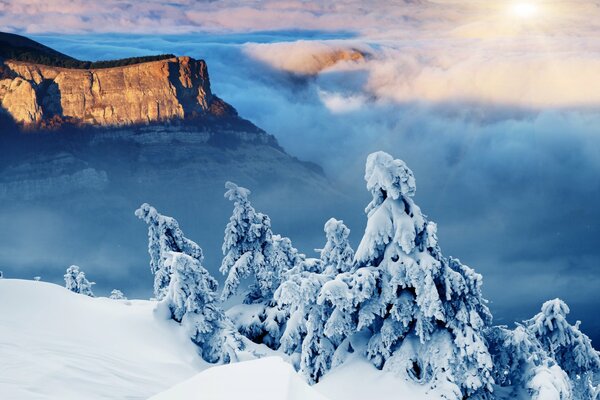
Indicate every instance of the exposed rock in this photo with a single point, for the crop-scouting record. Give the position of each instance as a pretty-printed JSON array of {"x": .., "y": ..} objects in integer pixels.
[
  {"x": 18, "y": 98},
  {"x": 141, "y": 93}
]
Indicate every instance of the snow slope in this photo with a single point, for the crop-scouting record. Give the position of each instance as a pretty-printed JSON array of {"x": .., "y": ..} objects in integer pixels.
[
  {"x": 55, "y": 344},
  {"x": 268, "y": 378}
]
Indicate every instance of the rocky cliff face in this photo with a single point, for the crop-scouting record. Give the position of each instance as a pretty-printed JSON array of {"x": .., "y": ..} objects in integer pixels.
[{"x": 141, "y": 93}]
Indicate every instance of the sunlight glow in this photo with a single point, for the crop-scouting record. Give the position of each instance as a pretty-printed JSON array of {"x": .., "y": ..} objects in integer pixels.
[{"x": 525, "y": 10}]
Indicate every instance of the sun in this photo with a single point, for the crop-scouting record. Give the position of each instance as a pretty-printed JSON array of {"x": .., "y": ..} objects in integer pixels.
[{"x": 525, "y": 10}]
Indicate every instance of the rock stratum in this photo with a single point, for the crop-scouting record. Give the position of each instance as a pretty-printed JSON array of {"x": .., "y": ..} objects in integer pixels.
[{"x": 141, "y": 93}]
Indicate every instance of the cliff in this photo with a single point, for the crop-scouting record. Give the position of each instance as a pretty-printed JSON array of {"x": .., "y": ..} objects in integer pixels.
[{"x": 175, "y": 88}]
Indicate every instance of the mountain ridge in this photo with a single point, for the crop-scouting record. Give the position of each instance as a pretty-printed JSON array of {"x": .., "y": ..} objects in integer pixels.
[{"x": 130, "y": 92}]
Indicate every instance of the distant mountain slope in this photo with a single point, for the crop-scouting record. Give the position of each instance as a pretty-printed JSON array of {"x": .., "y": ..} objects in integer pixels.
[{"x": 20, "y": 48}]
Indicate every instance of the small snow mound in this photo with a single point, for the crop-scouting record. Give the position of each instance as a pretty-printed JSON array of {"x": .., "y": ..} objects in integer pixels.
[{"x": 268, "y": 378}]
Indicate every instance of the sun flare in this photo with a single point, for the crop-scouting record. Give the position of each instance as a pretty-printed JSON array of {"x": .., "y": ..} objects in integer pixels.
[{"x": 525, "y": 10}]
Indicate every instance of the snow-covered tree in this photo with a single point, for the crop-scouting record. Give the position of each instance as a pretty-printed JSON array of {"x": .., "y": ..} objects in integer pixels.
[
  {"x": 75, "y": 281},
  {"x": 305, "y": 329},
  {"x": 524, "y": 367},
  {"x": 164, "y": 235},
  {"x": 248, "y": 249},
  {"x": 191, "y": 298},
  {"x": 116, "y": 294},
  {"x": 425, "y": 313},
  {"x": 568, "y": 346},
  {"x": 337, "y": 255}
]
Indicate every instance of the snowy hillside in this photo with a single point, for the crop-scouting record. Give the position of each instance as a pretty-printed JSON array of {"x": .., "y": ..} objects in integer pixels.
[{"x": 55, "y": 344}]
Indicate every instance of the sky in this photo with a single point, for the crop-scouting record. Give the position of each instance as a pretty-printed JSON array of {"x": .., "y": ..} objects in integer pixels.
[{"x": 495, "y": 106}]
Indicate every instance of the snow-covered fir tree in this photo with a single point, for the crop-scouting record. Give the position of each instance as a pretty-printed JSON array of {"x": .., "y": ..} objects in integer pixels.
[
  {"x": 191, "y": 299},
  {"x": 116, "y": 294},
  {"x": 425, "y": 313},
  {"x": 568, "y": 346},
  {"x": 523, "y": 367},
  {"x": 337, "y": 255},
  {"x": 75, "y": 281},
  {"x": 251, "y": 250},
  {"x": 305, "y": 329},
  {"x": 164, "y": 235},
  {"x": 248, "y": 249}
]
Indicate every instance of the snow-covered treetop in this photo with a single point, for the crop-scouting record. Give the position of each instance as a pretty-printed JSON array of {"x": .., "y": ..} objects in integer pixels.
[
  {"x": 387, "y": 177},
  {"x": 236, "y": 193},
  {"x": 570, "y": 347},
  {"x": 552, "y": 318}
]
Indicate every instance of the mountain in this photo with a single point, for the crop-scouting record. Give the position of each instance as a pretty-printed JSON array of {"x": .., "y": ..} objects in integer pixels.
[
  {"x": 137, "y": 92},
  {"x": 90, "y": 145}
]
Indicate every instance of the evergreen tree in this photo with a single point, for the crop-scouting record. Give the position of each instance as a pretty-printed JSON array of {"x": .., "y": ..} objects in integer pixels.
[
  {"x": 568, "y": 346},
  {"x": 248, "y": 249},
  {"x": 309, "y": 312},
  {"x": 164, "y": 235},
  {"x": 337, "y": 255},
  {"x": 116, "y": 294},
  {"x": 76, "y": 282},
  {"x": 191, "y": 298},
  {"x": 425, "y": 312},
  {"x": 524, "y": 367}
]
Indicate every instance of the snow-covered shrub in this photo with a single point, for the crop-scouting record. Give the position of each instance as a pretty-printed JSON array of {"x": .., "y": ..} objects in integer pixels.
[
  {"x": 76, "y": 282},
  {"x": 568, "y": 346},
  {"x": 116, "y": 294},
  {"x": 164, "y": 235},
  {"x": 191, "y": 298},
  {"x": 522, "y": 365},
  {"x": 404, "y": 292}
]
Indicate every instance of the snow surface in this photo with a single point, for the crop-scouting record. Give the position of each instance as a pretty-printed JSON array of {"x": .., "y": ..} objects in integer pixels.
[
  {"x": 55, "y": 344},
  {"x": 268, "y": 378}
]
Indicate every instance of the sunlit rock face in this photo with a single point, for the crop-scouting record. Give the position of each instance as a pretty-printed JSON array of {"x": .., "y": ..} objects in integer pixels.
[{"x": 141, "y": 93}]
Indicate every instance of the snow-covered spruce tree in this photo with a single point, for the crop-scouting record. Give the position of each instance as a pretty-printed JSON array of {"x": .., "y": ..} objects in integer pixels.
[
  {"x": 337, "y": 255},
  {"x": 248, "y": 249},
  {"x": 305, "y": 329},
  {"x": 524, "y": 367},
  {"x": 568, "y": 346},
  {"x": 116, "y": 294},
  {"x": 164, "y": 235},
  {"x": 191, "y": 298},
  {"x": 425, "y": 313},
  {"x": 76, "y": 282},
  {"x": 252, "y": 251}
]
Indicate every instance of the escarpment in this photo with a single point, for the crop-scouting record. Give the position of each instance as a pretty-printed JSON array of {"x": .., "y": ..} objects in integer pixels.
[{"x": 174, "y": 88}]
